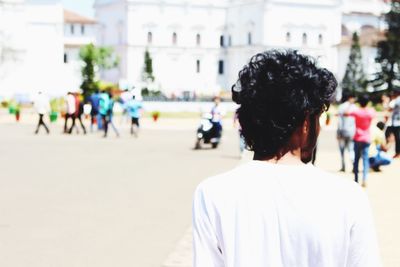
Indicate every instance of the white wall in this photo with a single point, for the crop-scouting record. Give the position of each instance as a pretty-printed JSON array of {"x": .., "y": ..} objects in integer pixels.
[
  {"x": 45, "y": 53},
  {"x": 312, "y": 18},
  {"x": 77, "y": 38},
  {"x": 112, "y": 31},
  {"x": 374, "y": 7},
  {"x": 13, "y": 44},
  {"x": 37, "y": 35},
  {"x": 40, "y": 67},
  {"x": 175, "y": 65}
]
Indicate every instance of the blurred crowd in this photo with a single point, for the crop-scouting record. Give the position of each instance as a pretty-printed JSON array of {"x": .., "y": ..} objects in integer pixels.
[
  {"x": 360, "y": 133},
  {"x": 362, "y": 139},
  {"x": 99, "y": 106}
]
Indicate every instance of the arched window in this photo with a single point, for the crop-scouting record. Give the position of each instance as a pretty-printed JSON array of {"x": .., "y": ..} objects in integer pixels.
[
  {"x": 198, "y": 39},
  {"x": 149, "y": 38},
  {"x": 320, "y": 39},
  {"x": 197, "y": 66},
  {"x": 220, "y": 67},
  {"x": 304, "y": 38},
  {"x": 249, "y": 38},
  {"x": 222, "y": 41},
  {"x": 174, "y": 38},
  {"x": 72, "y": 28},
  {"x": 345, "y": 31},
  {"x": 288, "y": 37}
]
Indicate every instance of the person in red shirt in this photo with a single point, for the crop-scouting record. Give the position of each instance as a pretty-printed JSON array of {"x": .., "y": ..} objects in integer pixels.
[
  {"x": 362, "y": 139},
  {"x": 77, "y": 115}
]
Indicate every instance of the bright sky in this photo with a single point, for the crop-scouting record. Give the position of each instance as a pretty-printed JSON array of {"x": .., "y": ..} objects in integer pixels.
[{"x": 84, "y": 7}]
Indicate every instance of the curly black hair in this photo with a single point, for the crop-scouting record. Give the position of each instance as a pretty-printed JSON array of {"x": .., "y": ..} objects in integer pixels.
[{"x": 276, "y": 91}]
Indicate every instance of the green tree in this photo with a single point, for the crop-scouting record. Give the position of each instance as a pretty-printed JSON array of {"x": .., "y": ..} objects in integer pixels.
[
  {"x": 95, "y": 59},
  {"x": 354, "y": 78},
  {"x": 388, "y": 52},
  {"x": 148, "y": 68}
]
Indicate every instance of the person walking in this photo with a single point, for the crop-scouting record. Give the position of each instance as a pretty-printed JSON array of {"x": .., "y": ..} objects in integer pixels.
[
  {"x": 111, "y": 114},
  {"x": 276, "y": 210},
  {"x": 134, "y": 107},
  {"x": 42, "y": 106},
  {"x": 126, "y": 96},
  {"x": 78, "y": 114},
  {"x": 104, "y": 109},
  {"x": 71, "y": 110},
  {"x": 346, "y": 128},
  {"x": 94, "y": 101},
  {"x": 362, "y": 139},
  {"x": 394, "y": 107}
]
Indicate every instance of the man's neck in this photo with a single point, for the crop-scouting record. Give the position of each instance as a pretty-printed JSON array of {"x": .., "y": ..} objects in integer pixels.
[{"x": 292, "y": 157}]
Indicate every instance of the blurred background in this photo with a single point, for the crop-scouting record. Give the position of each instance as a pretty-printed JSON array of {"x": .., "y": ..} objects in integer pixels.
[{"x": 196, "y": 48}]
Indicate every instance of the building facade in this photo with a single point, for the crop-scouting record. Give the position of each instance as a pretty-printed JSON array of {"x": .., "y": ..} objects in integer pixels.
[
  {"x": 197, "y": 46},
  {"x": 39, "y": 47},
  {"x": 31, "y": 53},
  {"x": 200, "y": 45}
]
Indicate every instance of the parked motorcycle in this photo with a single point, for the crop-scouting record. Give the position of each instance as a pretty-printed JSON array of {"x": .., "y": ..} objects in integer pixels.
[{"x": 208, "y": 132}]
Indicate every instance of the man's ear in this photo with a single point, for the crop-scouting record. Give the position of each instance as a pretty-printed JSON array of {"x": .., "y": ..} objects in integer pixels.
[{"x": 306, "y": 125}]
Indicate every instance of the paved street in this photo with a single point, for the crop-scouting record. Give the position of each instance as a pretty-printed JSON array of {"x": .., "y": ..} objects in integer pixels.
[{"x": 85, "y": 201}]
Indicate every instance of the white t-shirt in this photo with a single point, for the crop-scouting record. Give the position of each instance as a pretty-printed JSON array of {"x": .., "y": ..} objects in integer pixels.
[
  {"x": 42, "y": 104},
  {"x": 71, "y": 105},
  {"x": 271, "y": 215},
  {"x": 347, "y": 124},
  {"x": 217, "y": 113}
]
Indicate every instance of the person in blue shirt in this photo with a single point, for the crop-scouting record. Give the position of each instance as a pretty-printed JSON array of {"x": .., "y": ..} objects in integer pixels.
[
  {"x": 94, "y": 102},
  {"x": 104, "y": 109},
  {"x": 133, "y": 108},
  {"x": 111, "y": 114}
]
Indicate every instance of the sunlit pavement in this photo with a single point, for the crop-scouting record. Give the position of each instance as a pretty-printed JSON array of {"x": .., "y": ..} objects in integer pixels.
[{"x": 87, "y": 201}]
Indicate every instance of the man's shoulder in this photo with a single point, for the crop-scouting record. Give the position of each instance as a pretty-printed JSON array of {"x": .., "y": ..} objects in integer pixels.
[
  {"x": 336, "y": 184},
  {"x": 222, "y": 178},
  {"x": 223, "y": 182}
]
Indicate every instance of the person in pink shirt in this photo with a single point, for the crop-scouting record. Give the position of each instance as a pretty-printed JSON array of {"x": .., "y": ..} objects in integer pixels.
[{"x": 362, "y": 139}]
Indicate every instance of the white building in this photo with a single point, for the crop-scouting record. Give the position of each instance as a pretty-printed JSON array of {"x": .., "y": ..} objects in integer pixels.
[
  {"x": 31, "y": 61},
  {"x": 78, "y": 32},
  {"x": 38, "y": 51},
  {"x": 183, "y": 40},
  {"x": 12, "y": 47},
  {"x": 196, "y": 45},
  {"x": 200, "y": 45}
]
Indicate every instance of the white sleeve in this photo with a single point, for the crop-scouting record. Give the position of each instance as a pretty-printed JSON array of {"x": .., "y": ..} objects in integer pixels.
[
  {"x": 206, "y": 252},
  {"x": 364, "y": 251},
  {"x": 392, "y": 104}
]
